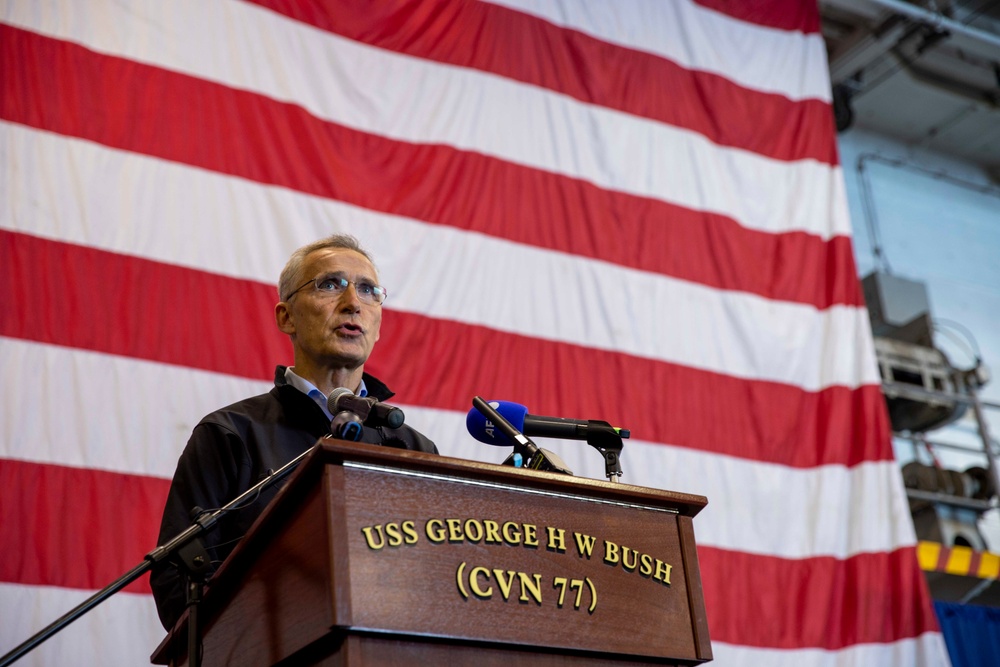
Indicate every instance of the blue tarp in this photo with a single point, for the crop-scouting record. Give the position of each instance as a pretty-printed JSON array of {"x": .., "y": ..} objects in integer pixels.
[{"x": 972, "y": 633}]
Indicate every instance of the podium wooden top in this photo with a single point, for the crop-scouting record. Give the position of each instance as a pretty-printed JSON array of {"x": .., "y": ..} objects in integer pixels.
[
  {"x": 339, "y": 451},
  {"x": 373, "y": 539}
]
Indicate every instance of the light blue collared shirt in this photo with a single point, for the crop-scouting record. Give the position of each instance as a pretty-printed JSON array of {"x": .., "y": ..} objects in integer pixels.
[{"x": 310, "y": 390}]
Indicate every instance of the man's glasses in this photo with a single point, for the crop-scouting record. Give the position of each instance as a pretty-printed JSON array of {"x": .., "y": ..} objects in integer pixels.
[{"x": 334, "y": 285}]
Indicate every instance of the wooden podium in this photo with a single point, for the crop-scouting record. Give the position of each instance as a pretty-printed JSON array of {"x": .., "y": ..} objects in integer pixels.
[{"x": 376, "y": 556}]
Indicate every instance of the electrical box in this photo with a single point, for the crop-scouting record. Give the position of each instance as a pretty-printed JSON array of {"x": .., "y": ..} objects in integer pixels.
[{"x": 898, "y": 308}]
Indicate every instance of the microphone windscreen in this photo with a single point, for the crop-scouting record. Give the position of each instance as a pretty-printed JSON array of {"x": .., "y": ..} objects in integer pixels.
[
  {"x": 475, "y": 421},
  {"x": 334, "y": 397}
]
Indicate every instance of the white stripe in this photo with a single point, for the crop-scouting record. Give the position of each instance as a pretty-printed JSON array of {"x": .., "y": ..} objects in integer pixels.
[
  {"x": 92, "y": 410},
  {"x": 60, "y": 190},
  {"x": 397, "y": 96},
  {"x": 122, "y": 631},
  {"x": 927, "y": 650},
  {"x": 754, "y": 507},
  {"x": 778, "y": 61},
  {"x": 775, "y": 510}
]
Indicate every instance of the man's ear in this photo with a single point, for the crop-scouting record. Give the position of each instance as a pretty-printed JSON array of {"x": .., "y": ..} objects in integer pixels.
[{"x": 283, "y": 318}]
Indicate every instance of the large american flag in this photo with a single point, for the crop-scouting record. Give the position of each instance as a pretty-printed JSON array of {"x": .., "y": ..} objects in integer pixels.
[{"x": 629, "y": 210}]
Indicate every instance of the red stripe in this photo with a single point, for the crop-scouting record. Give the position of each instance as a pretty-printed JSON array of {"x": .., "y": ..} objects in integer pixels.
[
  {"x": 526, "y": 48},
  {"x": 80, "y": 528},
  {"x": 974, "y": 561},
  {"x": 943, "y": 556},
  {"x": 74, "y": 527},
  {"x": 658, "y": 401},
  {"x": 800, "y": 15},
  {"x": 424, "y": 358},
  {"x": 67, "y": 89},
  {"x": 755, "y": 600},
  {"x": 159, "y": 311}
]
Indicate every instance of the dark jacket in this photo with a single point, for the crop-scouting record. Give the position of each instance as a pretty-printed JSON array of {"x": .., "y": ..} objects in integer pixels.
[{"x": 232, "y": 449}]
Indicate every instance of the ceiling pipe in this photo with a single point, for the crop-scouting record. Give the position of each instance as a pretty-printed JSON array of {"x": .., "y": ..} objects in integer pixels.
[
  {"x": 942, "y": 22},
  {"x": 864, "y": 47}
]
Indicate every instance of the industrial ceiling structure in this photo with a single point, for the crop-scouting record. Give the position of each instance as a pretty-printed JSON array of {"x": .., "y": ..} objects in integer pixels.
[{"x": 924, "y": 73}]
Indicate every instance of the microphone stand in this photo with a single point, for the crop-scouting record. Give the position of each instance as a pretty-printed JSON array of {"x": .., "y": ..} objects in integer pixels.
[
  {"x": 606, "y": 439},
  {"x": 191, "y": 557}
]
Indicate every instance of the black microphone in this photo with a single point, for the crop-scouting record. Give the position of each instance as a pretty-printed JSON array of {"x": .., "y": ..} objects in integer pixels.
[
  {"x": 532, "y": 425},
  {"x": 347, "y": 426},
  {"x": 370, "y": 410}
]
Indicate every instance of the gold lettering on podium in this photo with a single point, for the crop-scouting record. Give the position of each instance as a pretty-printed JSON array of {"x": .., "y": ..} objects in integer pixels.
[
  {"x": 556, "y": 539},
  {"x": 485, "y": 583}
]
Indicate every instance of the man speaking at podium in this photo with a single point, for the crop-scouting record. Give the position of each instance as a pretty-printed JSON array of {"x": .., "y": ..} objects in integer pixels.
[{"x": 331, "y": 308}]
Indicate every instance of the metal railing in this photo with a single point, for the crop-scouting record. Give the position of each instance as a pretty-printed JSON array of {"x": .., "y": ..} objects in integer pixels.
[{"x": 988, "y": 450}]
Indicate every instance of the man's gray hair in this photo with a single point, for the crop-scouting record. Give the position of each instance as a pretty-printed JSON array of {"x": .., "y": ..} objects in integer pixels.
[{"x": 290, "y": 274}]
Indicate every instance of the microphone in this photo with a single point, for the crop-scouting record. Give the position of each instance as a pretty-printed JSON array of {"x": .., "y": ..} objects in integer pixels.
[
  {"x": 531, "y": 425},
  {"x": 370, "y": 410},
  {"x": 538, "y": 458},
  {"x": 347, "y": 426}
]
